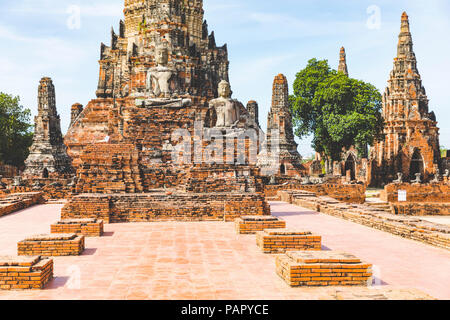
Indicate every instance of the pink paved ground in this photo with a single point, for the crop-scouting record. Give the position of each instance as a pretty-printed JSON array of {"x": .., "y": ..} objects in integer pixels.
[{"x": 207, "y": 260}]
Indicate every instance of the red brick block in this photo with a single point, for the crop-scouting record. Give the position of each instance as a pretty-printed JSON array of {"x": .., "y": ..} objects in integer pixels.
[
  {"x": 282, "y": 240},
  {"x": 253, "y": 224},
  {"x": 52, "y": 245},
  {"x": 85, "y": 227},
  {"x": 25, "y": 272},
  {"x": 323, "y": 268}
]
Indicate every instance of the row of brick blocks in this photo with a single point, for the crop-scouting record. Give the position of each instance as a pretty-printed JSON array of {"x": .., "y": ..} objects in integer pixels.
[
  {"x": 303, "y": 262},
  {"x": 28, "y": 270}
]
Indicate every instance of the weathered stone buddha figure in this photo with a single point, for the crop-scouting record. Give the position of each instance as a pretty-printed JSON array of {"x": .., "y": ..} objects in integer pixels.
[
  {"x": 158, "y": 78},
  {"x": 227, "y": 109}
]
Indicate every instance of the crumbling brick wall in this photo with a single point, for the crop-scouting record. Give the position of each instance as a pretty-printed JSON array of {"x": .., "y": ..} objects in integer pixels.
[
  {"x": 433, "y": 192},
  {"x": 165, "y": 206},
  {"x": 350, "y": 193}
]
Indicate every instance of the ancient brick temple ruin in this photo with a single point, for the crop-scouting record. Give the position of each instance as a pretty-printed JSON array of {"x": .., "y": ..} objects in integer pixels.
[
  {"x": 280, "y": 133},
  {"x": 411, "y": 144},
  {"x": 48, "y": 155},
  {"x": 163, "y": 118}
]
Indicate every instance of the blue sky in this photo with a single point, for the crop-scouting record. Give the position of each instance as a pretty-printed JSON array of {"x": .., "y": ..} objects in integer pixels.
[{"x": 264, "y": 38}]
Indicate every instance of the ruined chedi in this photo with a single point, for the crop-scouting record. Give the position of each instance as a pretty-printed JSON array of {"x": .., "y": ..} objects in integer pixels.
[
  {"x": 343, "y": 62},
  {"x": 196, "y": 63},
  {"x": 162, "y": 57},
  {"x": 162, "y": 72},
  {"x": 280, "y": 134},
  {"x": 411, "y": 143},
  {"x": 163, "y": 88},
  {"x": 48, "y": 155}
]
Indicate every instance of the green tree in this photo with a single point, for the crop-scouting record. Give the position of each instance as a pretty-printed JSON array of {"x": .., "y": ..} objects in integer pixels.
[
  {"x": 339, "y": 111},
  {"x": 15, "y": 134}
]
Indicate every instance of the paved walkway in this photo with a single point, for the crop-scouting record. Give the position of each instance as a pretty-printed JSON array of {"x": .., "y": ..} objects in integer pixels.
[
  {"x": 207, "y": 260},
  {"x": 400, "y": 262},
  {"x": 16, "y": 226}
]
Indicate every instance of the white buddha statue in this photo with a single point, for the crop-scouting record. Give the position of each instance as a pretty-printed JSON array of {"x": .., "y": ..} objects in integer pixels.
[
  {"x": 158, "y": 78},
  {"x": 227, "y": 109}
]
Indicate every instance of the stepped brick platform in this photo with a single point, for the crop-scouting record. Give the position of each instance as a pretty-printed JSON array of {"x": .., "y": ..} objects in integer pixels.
[
  {"x": 323, "y": 268},
  {"x": 18, "y": 201},
  {"x": 253, "y": 224},
  {"x": 165, "y": 206},
  {"x": 52, "y": 245},
  {"x": 405, "y": 226},
  {"x": 25, "y": 272},
  {"x": 85, "y": 227},
  {"x": 282, "y": 240}
]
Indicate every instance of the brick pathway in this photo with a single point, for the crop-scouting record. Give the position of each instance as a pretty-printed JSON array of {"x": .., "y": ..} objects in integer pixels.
[{"x": 207, "y": 260}]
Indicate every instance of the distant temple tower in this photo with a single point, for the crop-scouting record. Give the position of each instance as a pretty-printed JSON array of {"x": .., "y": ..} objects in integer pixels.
[
  {"x": 280, "y": 121},
  {"x": 253, "y": 111},
  {"x": 343, "y": 62},
  {"x": 411, "y": 143},
  {"x": 48, "y": 153}
]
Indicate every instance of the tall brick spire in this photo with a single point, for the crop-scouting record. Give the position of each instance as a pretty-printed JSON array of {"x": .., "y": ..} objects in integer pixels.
[
  {"x": 48, "y": 152},
  {"x": 411, "y": 144},
  {"x": 280, "y": 121},
  {"x": 343, "y": 62},
  {"x": 405, "y": 43},
  {"x": 405, "y": 96}
]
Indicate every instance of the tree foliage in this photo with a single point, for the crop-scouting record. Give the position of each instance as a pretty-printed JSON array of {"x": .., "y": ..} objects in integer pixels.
[
  {"x": 339, "y": 111},
  {"x": 15, "y": 134}
]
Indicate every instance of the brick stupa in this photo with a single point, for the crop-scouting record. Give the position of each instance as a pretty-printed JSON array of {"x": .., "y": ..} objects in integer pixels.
[
  {"x": 163, "y": 73},
  {"x": 411, "y": 144},
  {"x": 280, "y": 135},
  {"x": 48, "y": 155}
]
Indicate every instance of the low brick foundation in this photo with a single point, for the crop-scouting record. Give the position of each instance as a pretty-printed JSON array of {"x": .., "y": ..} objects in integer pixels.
[
  {"x": 25, "y": 272},
  {"x": 431, "y": 192},
  {"x": 323, "y": 268},
  {"x": 168, "y": 206},
  {"x": 18, "y": 201},
  {"x": 85, "y": 227},
  {"x": 421, "y": 208},
  {"x": 349, "y": 193},
  {"x": 52, "y": 245},
  {"x": 253, "y": 224},
  {"x": 282, "y": 240}
]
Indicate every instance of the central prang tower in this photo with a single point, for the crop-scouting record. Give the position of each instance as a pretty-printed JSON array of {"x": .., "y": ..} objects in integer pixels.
[
  {"x": 177, "y": 25},
  {"x": 163, "y": 91},
  {"x": 189, "y": 13},
  {"x": 157, "y": 76}
]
